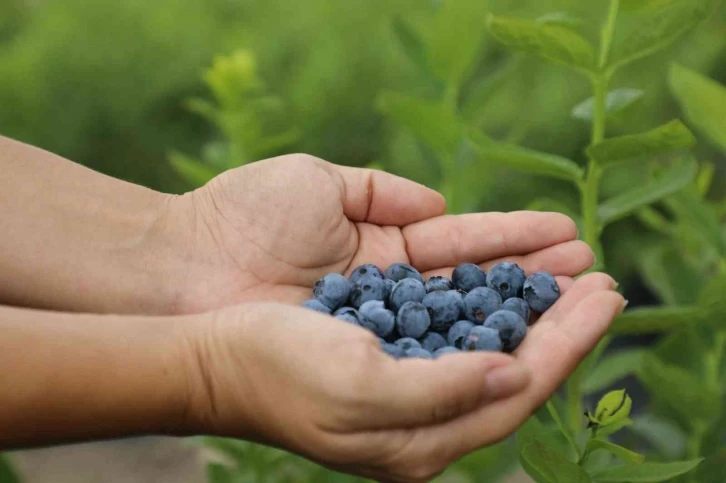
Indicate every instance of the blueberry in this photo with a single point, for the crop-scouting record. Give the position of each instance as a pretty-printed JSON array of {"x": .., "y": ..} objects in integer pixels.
[
  {"x": 482, "y": 338},
  {"x": 389, "y": 288},
  {"x": 507, "y": 278},
  {"x": 332, "y": 290},
  {"x": 407, "y": 343},
  {"x": 367, "y": 270},
  {"x": 431, "y": 341},
  {"x": 367, "y": 288},
  {"x": 444, "y": 308},
  {"x": 468, "y": 276},
  {"x": 518, "y": 306},
  {"x": 444, "y": 350},
  {"x": 407, "y": 290},
  {"x": 413, "y": 320},
  {"x": 317, "y": 305},
  {"x": 348, "y": 314},
  {"x": 399, "y": 271},
  {"x": 438, "y": 283},
  {"x": 511, "y": 327},
  {"x": 393, "y": 350},
  {"x": 419, "y": 353},
  {"x": 541, "y": 291},
  {"x": 481, "y": 302},
  {"x": 458, "y": 332},
  {"x": 375, "y": 317}
]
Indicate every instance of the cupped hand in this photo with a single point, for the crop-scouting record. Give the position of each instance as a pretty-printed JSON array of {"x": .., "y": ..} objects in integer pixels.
[
  {"x": 323, "y": 388},
  {"x": 268, "y": 230}
]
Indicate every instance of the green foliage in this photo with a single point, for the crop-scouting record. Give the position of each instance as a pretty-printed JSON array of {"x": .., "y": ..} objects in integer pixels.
[
  {"x": 7, "y": 474},
  {"x": 616, "y": 101},
  {"x": 645, "y": 472}
]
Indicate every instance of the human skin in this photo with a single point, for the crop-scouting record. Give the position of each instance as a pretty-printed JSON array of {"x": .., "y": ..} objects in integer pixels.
[{"x": 243, "y": 362}]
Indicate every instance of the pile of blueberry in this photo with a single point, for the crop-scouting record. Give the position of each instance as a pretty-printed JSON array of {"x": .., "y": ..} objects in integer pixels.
[{"x": 473, "y": 310}]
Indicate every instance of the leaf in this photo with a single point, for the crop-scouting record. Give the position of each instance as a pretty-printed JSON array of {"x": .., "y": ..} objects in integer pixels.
[
  {"x": 700, "y": 217},
  {"x": 713, "y": 301},
  {"x": 616, "y": 101},
  {"x": 645, "y": 472},
  {"x": 672, "y": 180},
  {"x": 613, "y": 428},
  {"x": 712, "y": 469},
  {"x": 663, "y": 139},
  {"x": 612, "y": 368},
  {"x": 641, "y": 5},
  {"x": 703, "y": 102},
  {"x": 665, "y": 272},
  {"x": 193, "y": 171},
  {"x": 554, "y": 43},
  {"x": 219, "y": 473},
  {"x": 663, "y": 435},
  {"x": 622, "y": 453},
  {"x": 656, "y": 31},
  {"x": 429, "y": 121},
  {"x": 650, "y": 320},
  {"x": 7, "y": 474},
  {"x": 560, "y": 18},
  {"x": 534, "y": 162},
  {"x": 551, "y": 466},
  {"x": 533, "y": 429},
  {"x": 613, "y": 407},
  {"x": 411, "y": 44}
]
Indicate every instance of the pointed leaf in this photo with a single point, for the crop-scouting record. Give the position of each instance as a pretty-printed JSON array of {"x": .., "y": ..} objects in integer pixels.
[
  {"x": 665, "y": 272},
  {"x": 554, "y": 43},
  {"x": 650, "y": 320},
  {"x": 551, "y": 465},
  {"x": 616, "y": 101},
  {"x": 560, "y": 18},
  {"x": 663, "y": 435},
  {"x": 411, "y": 44},
  {"x": 613, "y": 428},
  {"x": 646, "y": 472},
  {"x": 700, "y": 217},
  {"x": 664, "y": 139},
  {"x": 713, "y": 301},
  {"x": 658, "y": 29},
  {"x": 712, "y": 469},
  {"x": 612, "y": 368},
  {"x": 702, "y": 100},
  {"x": 672, "y": 180},
  {"x": 623, "y": 453},
  {"x": 193, "y": 171}
]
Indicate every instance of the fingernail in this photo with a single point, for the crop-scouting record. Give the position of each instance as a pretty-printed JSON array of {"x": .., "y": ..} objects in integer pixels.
[
  {"x": 506, "y": 380},
  {"x": 616, "y": 285},
  {"x": 625, "y": 304}
]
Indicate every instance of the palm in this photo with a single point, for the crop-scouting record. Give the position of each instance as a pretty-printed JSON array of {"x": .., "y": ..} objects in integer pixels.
[{"x": 276, "y": 226}]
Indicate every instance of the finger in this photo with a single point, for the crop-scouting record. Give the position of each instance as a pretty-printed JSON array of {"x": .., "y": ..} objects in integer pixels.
[
  {"x": 449, "y": 240},
  {"x": 568, "y": 258},
  {"x": 381, "y": 198},
  {"x": 584, "y": 286}
]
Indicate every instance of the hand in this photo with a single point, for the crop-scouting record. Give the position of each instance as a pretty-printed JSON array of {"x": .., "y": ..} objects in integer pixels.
[
  {"x": 296, "y": 379},
  {"x": 268, "y": 230}
]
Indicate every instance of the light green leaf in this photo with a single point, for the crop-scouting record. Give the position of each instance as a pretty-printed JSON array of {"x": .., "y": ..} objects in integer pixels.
[
  {"x": 712, "y": 469},
  {"x": 219, "y": 473},
  {"x": 534, "y": 431},
  {"x": 642, "y": 5},
  {"x": 622, "y": 453},
  {"x": 554, "y": 43},
  {"x": 705, "y": 178},
  {"x": 613, "y": 428},
  {"x": 7, "y": 474},
  {"x": 429, "y": 121},
  {"x": 650, "y": 320},
  {"x": 646, "y": 472},
  {"x": 665, "y": 271},
  {"x": 552, "y": 466},
  {"x": 456, "y": 37},
  {"x": 613, "y": 407},
  {"x": 528, "y": 160},
  {"x": 658, "y": 29},
  {"x": 663, "y": 435},
  {"x": 616, "y": 101},
  {"x": 672, "y": 180},
  {"x": 411, "y": 44},
  {"x": 611, "y": 368},
  {"x": 700, "y": 217},
  {"x": 702, "y": 100},
  {"x": 560, "y": 18},
  {"x": 713, "y": 301},
  {"x": 193, "y": 171},
  {"x": 663, "y": 139}
]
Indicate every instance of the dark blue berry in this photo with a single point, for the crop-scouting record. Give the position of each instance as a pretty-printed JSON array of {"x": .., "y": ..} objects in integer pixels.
[
  {"x": 399, "y": 271},
  {"x": 432, "y": 341},
  {"x": 406, "y": 343},
  {"x": 333, "y": 290},
  {"x": 413, "y": 320},
  {"x": 348, "y": 314},
  {"x": 480, "y": 303},
  {"x": 407, "y": 290},
  {"x": 507, "y": 279},
  {"x": 367, "y": 270},
  {"x": 444, "y": 308},
  {"x": 438, "y": 283},
  {"x": 419, "y": 353},
  {"x": 468, "y": 276},
  {"x": 375, "y": 317},
  {"x": 445, "y": 350},
  {"x": 458, "y": 332},
  {"x": 317, "y": 305},
  {"x": 367, "y": 288},
  {"x": 390, "y": 284},
  {"x": 541, "y": 291},
  {"x": 511, "y": 327},
  {"x": 482, "y": 338},
  {"x": 393, "y": 350},
  {"x": 518, "y": 306}
]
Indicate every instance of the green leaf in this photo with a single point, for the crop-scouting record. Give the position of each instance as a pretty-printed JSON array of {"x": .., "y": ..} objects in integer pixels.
[
  {"x": 613, "y": 407},
  {"x": 7, "y": 474},
  {"x": 665, "y": 272},
  {"x": 429, "y": 121},
  {"x": 533, "y": 429},
  {"x": 651, "y": 320},
  {"x": 612, "y": 368},
  {"x": 645, "y": 472},
  {"x": 533, "y": 162},
  {"x": 560, "y": 18},
  {"x": 672, "y": 180},
  {"x": 642, "y": 5},
  {"x": 712, "y": 469},
  {"x": 622, "y": 453},
  {"x": 411, "y": 44},
  {"x": 657, "y": 30},
  {"x": 663, "y": 435},
  {"x": 219, "y": 473},
  {"x": 554, "y": 43},
  {"x": 713, "y": 301},
  {"x": 551, "y": 466},
  {"x": 663, "y": 139},
  {"x": 703, "y": 102},
  {"x": 700, "y": 217},
  {"x": 193, "y": 171},
  {"x": 616, "y": 101},
  {"x": 613, "y": 428}
]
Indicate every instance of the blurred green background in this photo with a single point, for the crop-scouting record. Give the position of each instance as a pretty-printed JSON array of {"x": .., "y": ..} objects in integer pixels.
[{"x": 108, "y": 84}]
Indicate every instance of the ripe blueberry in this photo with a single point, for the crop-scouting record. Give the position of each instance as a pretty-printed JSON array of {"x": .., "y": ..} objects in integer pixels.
[
  {"x": 482, "y": 338},
  {"x": 317, "y": 305},
  {"x": 367, "y": 288},
  {"x": 332, "y": 290},
  {"x": 413, "y": 320},
  {"x": 431, "y": 341},
  {"x": 399, "y": 271},
  {"x": 407, "y": 290},
  {"x": 480, "y": 303},
  {"x": 511, "y": 327},
  {"x": 458, "y": 332},
  {"x": 348, "y": 314},
  {"x": 444, "y": 308},
  {"x": 468, "y": 276},
  {"x": 518, "y": 306},
  {"x": 438, "y": 283},
  {"x": 367, "y": 270},
  {"x": 445, "y": 350},
  {"x": 393, "y": 350},
  {"x": 406, "y": 343},
  {"x": 506, "y": 278},
  {"x": 419, "y": 353},
  {"x": 375, "y": 317},
  {"x": 541, "y": 291}
]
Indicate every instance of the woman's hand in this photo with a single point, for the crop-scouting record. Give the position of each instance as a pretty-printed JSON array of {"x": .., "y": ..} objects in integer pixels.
[{"x": 323, "y": 388}]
